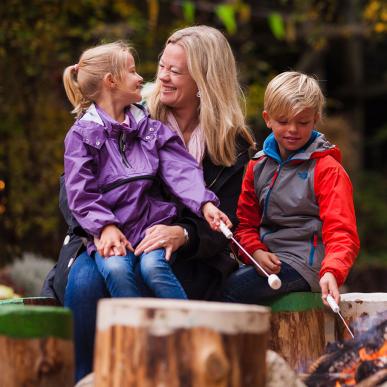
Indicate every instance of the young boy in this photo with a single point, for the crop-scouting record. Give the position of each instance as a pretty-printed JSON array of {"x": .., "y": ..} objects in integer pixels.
[{"x": 296, "y": 208}]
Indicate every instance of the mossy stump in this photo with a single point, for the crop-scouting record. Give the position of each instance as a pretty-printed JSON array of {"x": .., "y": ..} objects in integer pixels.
[{"x": 36, "y": 347}]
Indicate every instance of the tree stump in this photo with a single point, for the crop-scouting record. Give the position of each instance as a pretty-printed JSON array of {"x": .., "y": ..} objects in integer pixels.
[
  {"x": 298, "y": 328},
  {"x": 355, "y": 305},
  {"x": 35, "y": 346},
  {"x": 171, "y": 343}
]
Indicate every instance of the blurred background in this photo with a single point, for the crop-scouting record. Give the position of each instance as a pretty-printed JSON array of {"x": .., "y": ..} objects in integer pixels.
[{"x": 342, "y": 42}]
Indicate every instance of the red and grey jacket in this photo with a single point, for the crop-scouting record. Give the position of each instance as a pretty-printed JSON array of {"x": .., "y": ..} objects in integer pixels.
[{"x": 301, "y": 209}]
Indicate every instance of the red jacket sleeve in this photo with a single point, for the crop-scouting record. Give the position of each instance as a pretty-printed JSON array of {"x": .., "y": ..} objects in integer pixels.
[
  {"x": 249, "y": 216},
  {"x": 333, "y": 190}
]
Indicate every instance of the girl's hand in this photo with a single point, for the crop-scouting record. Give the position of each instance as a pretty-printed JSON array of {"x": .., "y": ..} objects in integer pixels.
[
  {"x": 268, "y": 261},
  {"x": 328, "y": 285},
  {"x": 112, "y": 242},
  {"x": 160, "y": 236},
  {"x": 213, "y": 216}
]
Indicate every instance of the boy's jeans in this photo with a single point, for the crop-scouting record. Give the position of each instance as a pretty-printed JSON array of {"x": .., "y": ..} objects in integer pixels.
[
  {"x": 246, "y": 286},
  {"x": 155, "y": 270}
]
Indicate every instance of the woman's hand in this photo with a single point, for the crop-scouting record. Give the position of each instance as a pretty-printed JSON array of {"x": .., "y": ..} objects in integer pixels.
[
  {"x": 160, "y": 236},
  {"x": 213, "y": 216},
  {"x": 328, "y": 285},
  {"x": 268, "y": 261},
  {"x": 112, "y": 242}
]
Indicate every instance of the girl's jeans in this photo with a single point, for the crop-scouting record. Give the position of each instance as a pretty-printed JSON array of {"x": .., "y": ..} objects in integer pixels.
[
  {"x": 120, "y": 275},
  {"x": 246, "y": 286}
]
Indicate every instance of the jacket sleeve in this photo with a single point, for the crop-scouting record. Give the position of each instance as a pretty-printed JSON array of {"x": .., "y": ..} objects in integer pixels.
[
  {"x": 84, "y": 198},
  {"x": 205, "y": 243},
  {"x": 181, "y": 174},
  {"x": 333, "y": 190},
  {"x": 249, "y": 216}
]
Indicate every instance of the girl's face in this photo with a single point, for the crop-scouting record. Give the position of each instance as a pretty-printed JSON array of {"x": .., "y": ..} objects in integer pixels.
[
  {"x": 178, "y": 89},
  {"x": 291, "y": 133},
  {"x": 129, "y": 87}
]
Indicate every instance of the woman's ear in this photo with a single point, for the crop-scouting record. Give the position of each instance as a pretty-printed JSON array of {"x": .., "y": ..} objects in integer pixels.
[{"x": 266, "y": 118}]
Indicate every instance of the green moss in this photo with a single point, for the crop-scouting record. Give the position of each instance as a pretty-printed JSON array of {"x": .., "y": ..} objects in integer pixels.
[
  {"x": 21, "y": 321},
  {"x": 295, "y": 302}
]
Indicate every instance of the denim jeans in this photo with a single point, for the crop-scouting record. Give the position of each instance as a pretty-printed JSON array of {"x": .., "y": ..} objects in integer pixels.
[
  {"x": 84, "y": 288},
  {"x": 246, "y": 286},
  {"x": 156, "y": 272}
]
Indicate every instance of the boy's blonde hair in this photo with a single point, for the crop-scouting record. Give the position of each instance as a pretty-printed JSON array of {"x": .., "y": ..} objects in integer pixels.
[
  {"x": 82, "y": 81},
  {"x": 291, "y": 92},
  {"x": 212, "y": 66}
]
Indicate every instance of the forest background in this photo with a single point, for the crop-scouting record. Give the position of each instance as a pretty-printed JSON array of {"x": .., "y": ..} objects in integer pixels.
[{"x": 342, "y": 42}]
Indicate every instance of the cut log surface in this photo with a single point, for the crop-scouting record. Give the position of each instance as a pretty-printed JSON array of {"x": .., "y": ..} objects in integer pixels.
[
  {"x": 149, "y": 342},
  {"x": 35, "y": 346},
  {"x": 298, "y": 328},
  {"x": 357, "y": 306}
]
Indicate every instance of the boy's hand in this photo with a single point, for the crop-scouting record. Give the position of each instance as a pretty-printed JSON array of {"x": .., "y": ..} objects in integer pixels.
[
  {"x": 213, "y": 216},
  {"x": 328, "y": 285},
  {"x": 112, "y": 242},
  {"x": 268, "y": 261}
]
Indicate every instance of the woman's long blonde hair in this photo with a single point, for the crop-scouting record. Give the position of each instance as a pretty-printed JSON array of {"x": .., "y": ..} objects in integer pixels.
[
  {"x": 82, "y": 81},
  {"x": 212, "y": 66}
]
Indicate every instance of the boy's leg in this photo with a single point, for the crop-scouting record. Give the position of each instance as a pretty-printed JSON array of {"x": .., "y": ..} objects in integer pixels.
[
  {"x": 118, "y": 272},
  {"x": 158, "y": 276},
  {"x": 246, "y": 286}
]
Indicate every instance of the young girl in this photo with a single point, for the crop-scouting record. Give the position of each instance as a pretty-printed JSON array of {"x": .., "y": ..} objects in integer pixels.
[{"x": 115, "y": 155}]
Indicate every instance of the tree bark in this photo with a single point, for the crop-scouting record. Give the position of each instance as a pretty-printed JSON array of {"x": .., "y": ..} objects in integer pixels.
[{"x": 146, "y": 342}]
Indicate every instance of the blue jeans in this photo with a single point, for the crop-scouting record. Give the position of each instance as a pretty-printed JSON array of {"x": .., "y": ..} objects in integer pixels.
[
  {"x": 120, "y": 275},
  {"x": 246, "y": 286}
]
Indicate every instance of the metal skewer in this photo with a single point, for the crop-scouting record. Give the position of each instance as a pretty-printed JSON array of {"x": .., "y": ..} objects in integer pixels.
[
  {"x": 336, "y": 309},
  {"x": 272, "y": 279}
]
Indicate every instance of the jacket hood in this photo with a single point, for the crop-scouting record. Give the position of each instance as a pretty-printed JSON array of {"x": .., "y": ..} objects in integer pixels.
[{"x": 317, "y": 146}]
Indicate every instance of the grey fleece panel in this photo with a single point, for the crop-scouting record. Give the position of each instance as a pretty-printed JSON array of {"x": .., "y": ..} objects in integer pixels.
[{"x": 290, "y": 215}]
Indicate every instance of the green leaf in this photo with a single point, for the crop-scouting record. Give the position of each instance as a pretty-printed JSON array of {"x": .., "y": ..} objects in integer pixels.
[
  {"x": 277, "y": 26},
  {"x": 189, "y": 11},
  {"x": 226, "y": 13}
]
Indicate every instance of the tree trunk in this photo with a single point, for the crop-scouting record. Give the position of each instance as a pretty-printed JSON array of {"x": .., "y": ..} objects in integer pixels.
[
  {"x": 147, "y": 342},
  {"x": 358, "y": 306},
  {"x": 35, "y": 346},
  {"x": 298, "y": 328}
]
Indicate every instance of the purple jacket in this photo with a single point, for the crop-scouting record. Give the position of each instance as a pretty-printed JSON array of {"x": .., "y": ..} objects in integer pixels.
[{"x": 111, "y": 168}]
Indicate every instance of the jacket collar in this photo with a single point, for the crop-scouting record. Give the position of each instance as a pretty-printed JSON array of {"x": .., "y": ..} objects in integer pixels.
[
  {"x": 317, "y": 146},
  {"x": 95, "y": 115}
]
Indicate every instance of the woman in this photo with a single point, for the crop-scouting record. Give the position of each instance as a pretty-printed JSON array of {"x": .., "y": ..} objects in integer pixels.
[{"x": 190, "y": 96}]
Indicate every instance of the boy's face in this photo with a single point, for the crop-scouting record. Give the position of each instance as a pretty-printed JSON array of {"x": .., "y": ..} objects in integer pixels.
[{"x": 291, "y": 133}]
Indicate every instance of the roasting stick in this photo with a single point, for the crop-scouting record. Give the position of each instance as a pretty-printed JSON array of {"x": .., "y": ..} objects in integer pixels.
[
  {"x": 272, "y": 279},
  {"x": 336, "y": 309}
]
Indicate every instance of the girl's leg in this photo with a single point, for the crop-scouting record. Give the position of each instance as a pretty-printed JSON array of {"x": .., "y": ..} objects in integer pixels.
[
  {"x": 158, "y": 276},
  {"x": 84, "y": 288},
  {"x": 246, "y": 286},
  {"x": 119, "y": 274}
]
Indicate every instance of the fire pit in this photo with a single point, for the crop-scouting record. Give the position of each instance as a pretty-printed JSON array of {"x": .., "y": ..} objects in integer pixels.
[{"x": 361, "y": 361}]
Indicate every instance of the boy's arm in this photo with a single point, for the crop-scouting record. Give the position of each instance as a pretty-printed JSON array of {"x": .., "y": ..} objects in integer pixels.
[
  {"x": 84, "y": 198},
  {"x": 333, "y": 190},
  {"x": 249, "y": 216}
]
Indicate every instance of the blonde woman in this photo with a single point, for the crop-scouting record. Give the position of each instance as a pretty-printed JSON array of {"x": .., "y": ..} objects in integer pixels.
[{"x": 197, "y": 94}]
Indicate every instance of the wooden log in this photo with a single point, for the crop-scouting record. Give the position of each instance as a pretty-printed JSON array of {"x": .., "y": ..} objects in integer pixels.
[
  {"x": 31, "y": 301},
  {"x": 298, "y": 328},
  {"x": 154, "y": 342},
  {"x": 35, "y": 346},
  {"x": 358, "y": 305}
]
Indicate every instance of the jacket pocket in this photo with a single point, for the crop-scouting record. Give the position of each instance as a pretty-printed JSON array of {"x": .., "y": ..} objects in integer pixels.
[
  {"x": 313, "y": 245},
  {"x": 118, "y": 183}
]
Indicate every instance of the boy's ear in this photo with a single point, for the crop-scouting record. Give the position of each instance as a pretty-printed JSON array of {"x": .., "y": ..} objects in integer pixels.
[{"x": 266, "y": 118}]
